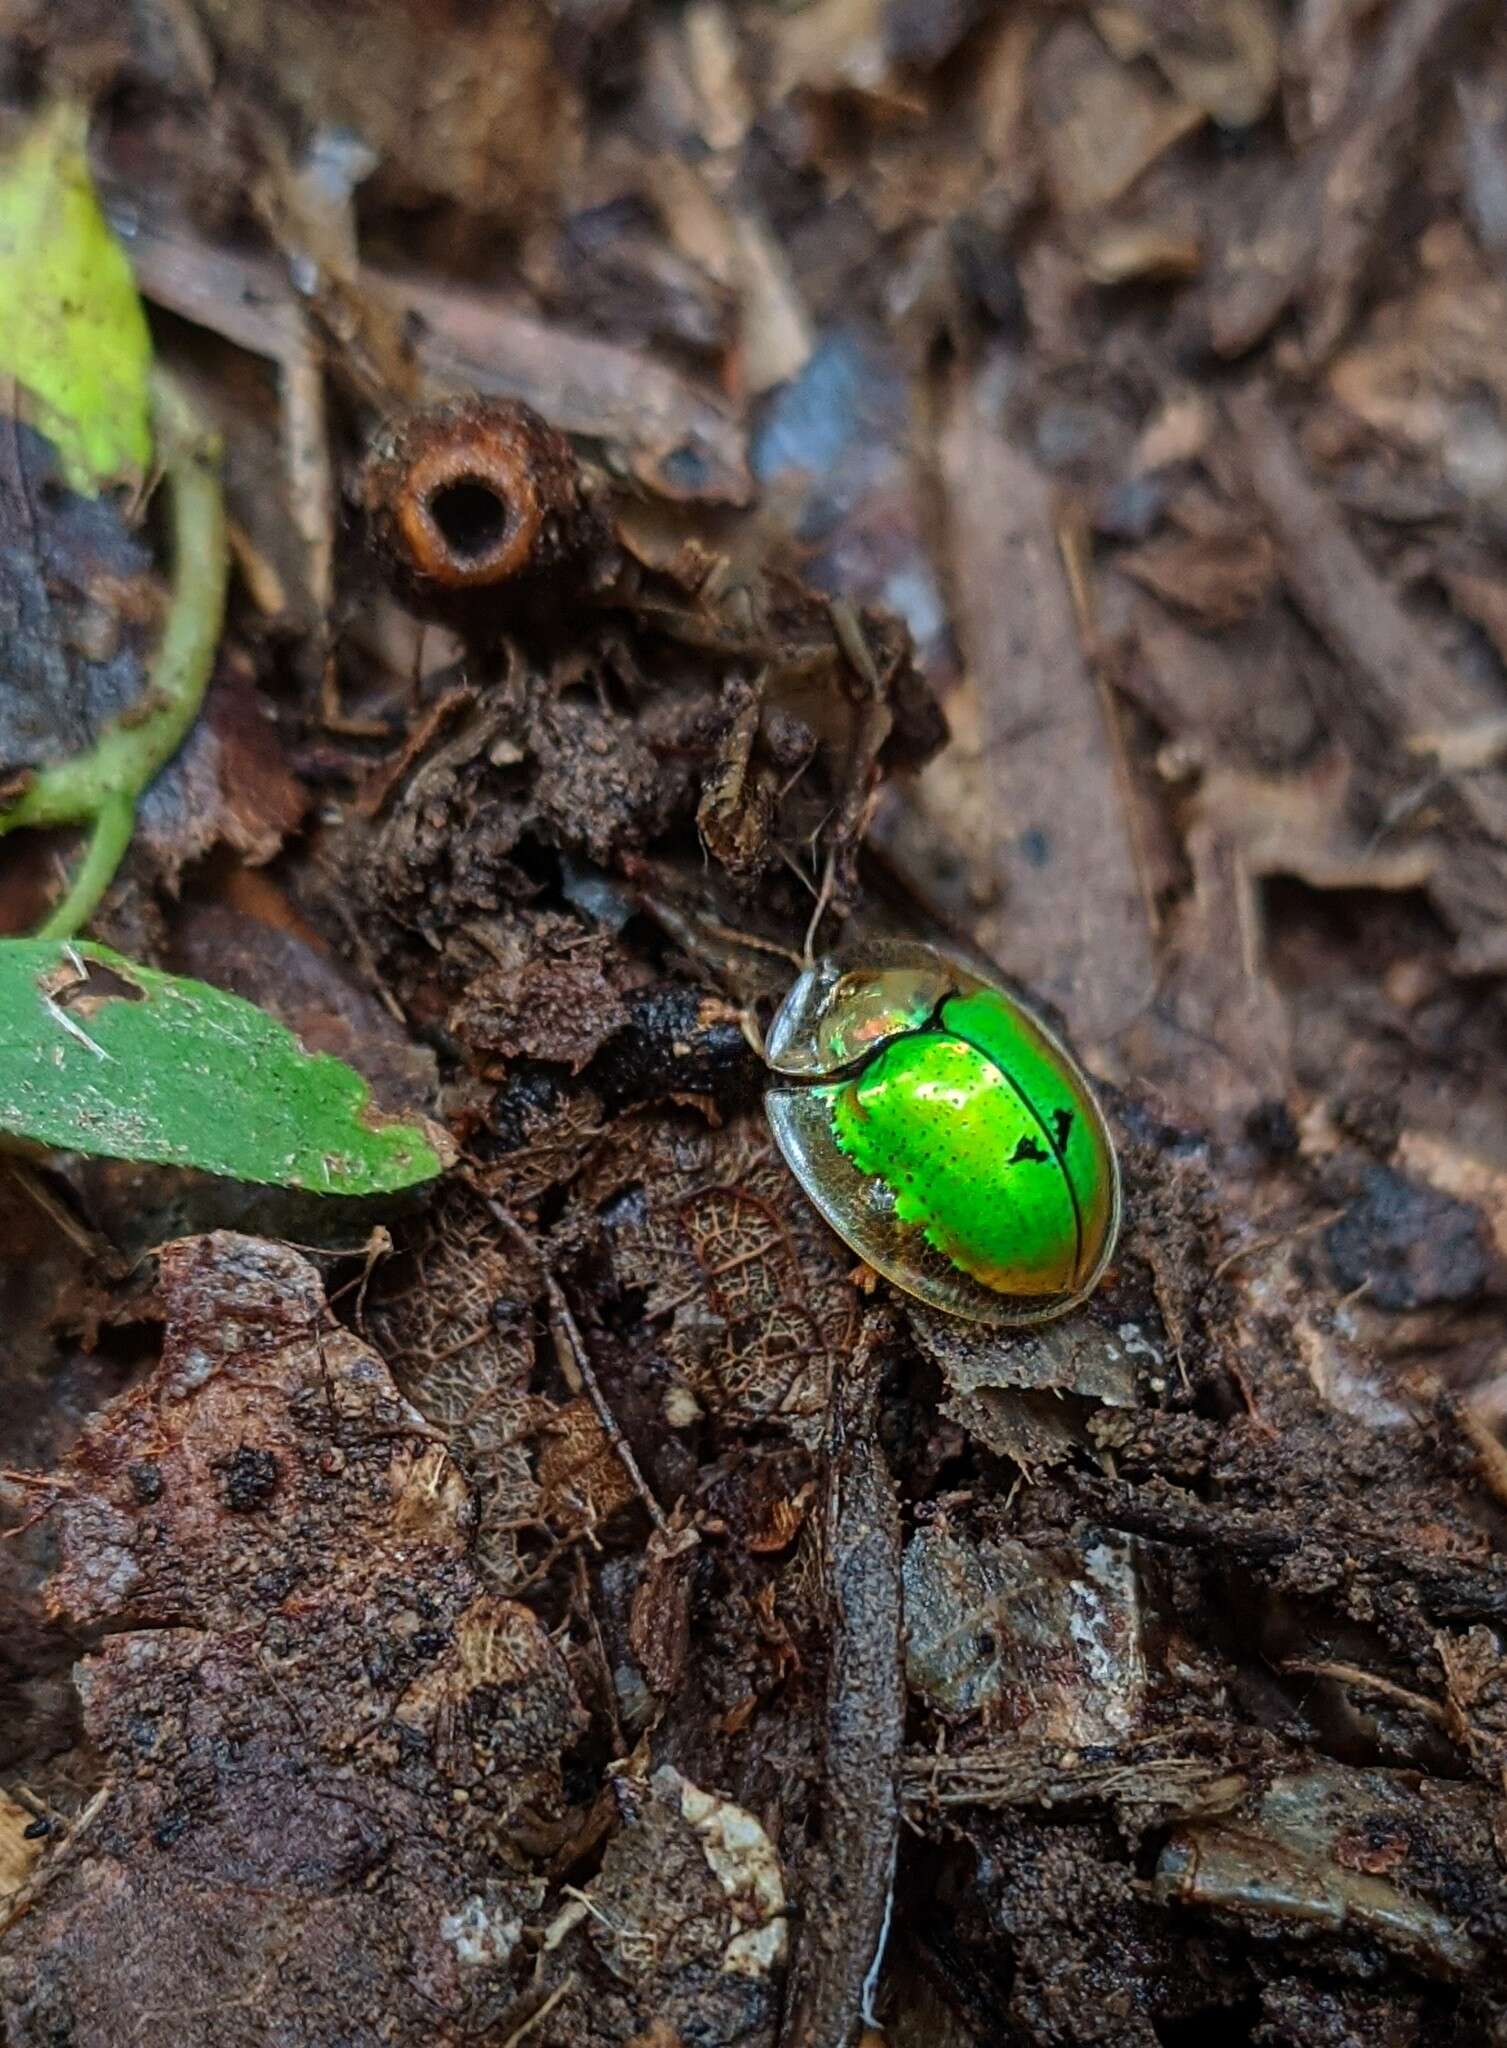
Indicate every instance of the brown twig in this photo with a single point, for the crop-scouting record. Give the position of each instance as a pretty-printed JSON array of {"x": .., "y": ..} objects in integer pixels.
[
  {"x": 571, "y": 1352},
  {"x": 1270, "y": 1243},
  {"x": 541, "y": 2012},
  {"x": 576, "y": 1367},
  {"x": 1373, "y": 1682}
]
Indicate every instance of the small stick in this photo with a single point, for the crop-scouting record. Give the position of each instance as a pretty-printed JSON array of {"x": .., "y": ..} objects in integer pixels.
[
  {"x": 1278, "y": 1237},
  {"x": 1372, "y": 1682},
  {"x": 24, "y": 1897},
  {"x": 57, "y": 1212},
  {"x": 541, "y": 2012},
  {"x": 835, "y": 1974},
  {"x": 570, "y": 1351}
]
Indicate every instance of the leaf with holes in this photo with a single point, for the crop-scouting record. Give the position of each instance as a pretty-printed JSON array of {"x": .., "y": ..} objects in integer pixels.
[{"x": 99, "y": 1055}]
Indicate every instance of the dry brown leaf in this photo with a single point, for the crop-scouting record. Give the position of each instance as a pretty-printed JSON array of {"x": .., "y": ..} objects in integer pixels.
[
  {"x": 1122, "y": 251},
  {"x": 1429, "y": 372},
  {"x": 1303, "y": 825},
  {"x": 1101, "y": 123},
  {"x": 1053, "y": 832},
  {"x": 20, "y": 1847},
  {"x": 830, "y": 46},
  {"x": 582, "y": 1481},
  {"x": 457, "y": 1329},
  {"x": 471, "y": 106},
  {"x": 1217, "y": 581},
  {"x": 1219, "y": 55}
]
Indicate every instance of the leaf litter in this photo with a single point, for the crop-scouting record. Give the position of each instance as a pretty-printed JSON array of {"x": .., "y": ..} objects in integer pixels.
[{"x": 1121, "y": 1683}]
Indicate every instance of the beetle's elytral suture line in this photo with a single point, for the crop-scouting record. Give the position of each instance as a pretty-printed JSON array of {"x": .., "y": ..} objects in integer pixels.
[{"x": 1057, "y": 1145}]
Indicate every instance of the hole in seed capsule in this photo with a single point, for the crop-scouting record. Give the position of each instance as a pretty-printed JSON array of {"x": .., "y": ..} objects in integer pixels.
[{"x": 472, "y": 516}]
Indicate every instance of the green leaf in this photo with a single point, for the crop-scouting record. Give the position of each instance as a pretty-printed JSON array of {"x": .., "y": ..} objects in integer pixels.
[
  {"x": 99, "y": 1055},
  {"x": 72, "y": 330}
]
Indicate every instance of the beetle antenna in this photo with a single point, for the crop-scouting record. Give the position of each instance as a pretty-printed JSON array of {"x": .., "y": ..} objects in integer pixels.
[{"x": 824, "y": 898}]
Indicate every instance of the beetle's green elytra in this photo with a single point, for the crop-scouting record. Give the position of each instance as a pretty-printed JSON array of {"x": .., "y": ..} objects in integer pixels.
[
  {"x": 945, "y": 1133},
  {"x": 968, "y": 1160}
]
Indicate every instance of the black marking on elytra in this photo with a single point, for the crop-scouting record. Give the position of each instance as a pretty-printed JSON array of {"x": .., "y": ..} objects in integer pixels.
[
  {"x": 1054, "y": 1132},
  {"x": 1027, "y": 1148}
]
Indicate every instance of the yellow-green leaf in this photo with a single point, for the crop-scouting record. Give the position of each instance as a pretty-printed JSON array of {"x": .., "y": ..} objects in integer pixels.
[{"x": 73, "y": 335}]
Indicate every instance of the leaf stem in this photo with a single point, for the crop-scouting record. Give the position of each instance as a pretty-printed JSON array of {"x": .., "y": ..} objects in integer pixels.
[
  {"x": 101, "y": 786},
  {"x": 114, "y": 822}
]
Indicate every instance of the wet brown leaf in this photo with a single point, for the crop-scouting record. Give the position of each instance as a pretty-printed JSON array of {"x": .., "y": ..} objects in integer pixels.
[
  {"x": 683, "y": 1927},
  {"x": 747, "y": 1298},
  {"x": 320, "y": 1737}
]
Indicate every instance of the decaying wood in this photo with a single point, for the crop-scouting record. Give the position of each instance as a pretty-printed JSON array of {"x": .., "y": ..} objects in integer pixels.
[
  {"x": 851, "y": 1888},
  {"x": 1071, "y": 917}
]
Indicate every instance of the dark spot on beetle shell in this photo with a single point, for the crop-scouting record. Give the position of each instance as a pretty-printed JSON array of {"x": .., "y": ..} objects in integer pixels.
[
  {"x": 1062, "y": 1124},
  {"x": 1027, "y": 1148},
  {"x": 250, "y": 1479}
]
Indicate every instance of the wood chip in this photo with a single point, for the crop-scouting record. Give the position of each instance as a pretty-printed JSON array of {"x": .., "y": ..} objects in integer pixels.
[
  {"x": 1397, "y": 683},
  {"x": 678, "y": 441},
  {"x": 1073, "y": 924},
  {"x": 1316, "y": 237}
]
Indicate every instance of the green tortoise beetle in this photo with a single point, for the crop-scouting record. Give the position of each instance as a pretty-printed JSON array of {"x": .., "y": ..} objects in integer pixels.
[{"x": 945, "y": 1133}]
